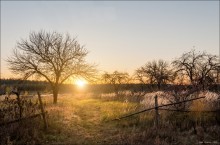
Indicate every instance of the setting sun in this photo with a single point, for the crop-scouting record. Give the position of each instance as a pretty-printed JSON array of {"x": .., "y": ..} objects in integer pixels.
[
  {"x": 110, "y": 72},
  {"x": 80, "y": 82}
]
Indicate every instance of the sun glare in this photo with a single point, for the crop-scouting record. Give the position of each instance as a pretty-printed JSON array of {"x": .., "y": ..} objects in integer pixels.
[{"x": 80, "y": 83}]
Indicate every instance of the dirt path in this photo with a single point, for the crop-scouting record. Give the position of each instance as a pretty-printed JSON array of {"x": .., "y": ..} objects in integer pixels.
[
  {"x": 94, "y": 129},
  {"x": 80, "y": 121}
]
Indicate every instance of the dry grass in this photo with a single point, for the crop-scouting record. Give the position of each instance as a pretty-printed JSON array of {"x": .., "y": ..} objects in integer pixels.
[{"x": 84, "y": 119}]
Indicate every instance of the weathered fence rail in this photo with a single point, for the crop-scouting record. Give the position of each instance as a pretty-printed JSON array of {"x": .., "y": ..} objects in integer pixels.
[
  {"x": 42, "y": 111},
  {"x": 156, "y": 107},
  {"x": 204, "y": 111},
  {"x": 21, "y": 118},
  {"x": 160, "y": 107}
]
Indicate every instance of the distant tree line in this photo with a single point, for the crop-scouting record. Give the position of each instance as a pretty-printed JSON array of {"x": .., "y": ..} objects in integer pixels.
[
  {"x": 22, "y": 85},
  {"x": 31, "y": 87}
]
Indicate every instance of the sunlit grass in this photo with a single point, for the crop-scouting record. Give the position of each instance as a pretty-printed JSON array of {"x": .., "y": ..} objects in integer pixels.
[
  {"x": 83, "y": 117},
  {"x": 87, "y": 119}
]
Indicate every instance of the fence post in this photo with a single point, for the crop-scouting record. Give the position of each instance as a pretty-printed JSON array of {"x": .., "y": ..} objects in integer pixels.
[
  {"x": 19, "y": 103},
  {"x": 156, "y": 111},
  {"x": 42, "y": 111}
]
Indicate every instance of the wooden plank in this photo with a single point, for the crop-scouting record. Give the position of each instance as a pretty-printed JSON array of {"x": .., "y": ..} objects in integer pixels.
[
  {"x": 156, "y": 111},
  {"x": 19, "y": 103},
  {"x": 42, "y": 111}
]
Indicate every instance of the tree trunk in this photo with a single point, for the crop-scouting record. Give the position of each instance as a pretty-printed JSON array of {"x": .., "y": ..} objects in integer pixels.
[
  {"x": 116, "y": 88},
  {"x": 203, "y": 87},
  {"x": 55, "y": 94},
  {"x": 159, "y": 86}
]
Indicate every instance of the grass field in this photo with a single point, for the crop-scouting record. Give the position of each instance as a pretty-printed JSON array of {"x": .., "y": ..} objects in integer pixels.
[{"x": 86, "y": 119}]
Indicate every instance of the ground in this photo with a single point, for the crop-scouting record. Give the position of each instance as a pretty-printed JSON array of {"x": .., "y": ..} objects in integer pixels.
[
  {"x": 85, "y": 120},
  {"x": 89, "y": 119}
]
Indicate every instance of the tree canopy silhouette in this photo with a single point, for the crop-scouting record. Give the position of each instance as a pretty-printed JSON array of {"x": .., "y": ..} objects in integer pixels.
[
  {"x": 50, "y": 55},
  {"x": 117, "y": 79},
  {"x": 155, "y": 72},
  {"x": 201, "y": 68}
]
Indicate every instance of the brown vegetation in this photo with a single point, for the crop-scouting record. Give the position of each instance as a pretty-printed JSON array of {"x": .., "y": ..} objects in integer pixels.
[{"x": 85, "y": 119}]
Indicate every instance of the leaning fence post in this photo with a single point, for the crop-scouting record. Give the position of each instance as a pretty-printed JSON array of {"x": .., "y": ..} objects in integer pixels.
[
  {"x": 156, "y": 111},
  {"x": 19, "y": 103},
  {"x": 42, "y": 111}
]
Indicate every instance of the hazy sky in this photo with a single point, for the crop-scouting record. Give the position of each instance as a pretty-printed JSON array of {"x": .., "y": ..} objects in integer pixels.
[{"x": 119, "y": 35}]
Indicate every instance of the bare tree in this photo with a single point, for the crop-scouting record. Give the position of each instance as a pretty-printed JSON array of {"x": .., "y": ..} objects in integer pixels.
[
  {"x": 53, "y": 56},
  {"x": 199, "y": 67},
  {"x": 155, "y": 72},
  {"x": 116, "y": 79}
]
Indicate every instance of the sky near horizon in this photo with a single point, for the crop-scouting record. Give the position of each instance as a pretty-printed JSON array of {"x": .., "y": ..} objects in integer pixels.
[{"x": 120, "y": 35}]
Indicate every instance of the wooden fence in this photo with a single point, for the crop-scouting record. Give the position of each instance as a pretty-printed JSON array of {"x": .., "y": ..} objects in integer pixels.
[
  {"x": 21, "y": 118},
  {"x": 160, "y": 107}
]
